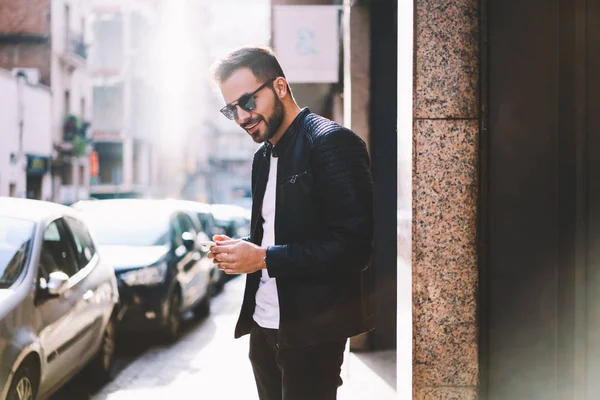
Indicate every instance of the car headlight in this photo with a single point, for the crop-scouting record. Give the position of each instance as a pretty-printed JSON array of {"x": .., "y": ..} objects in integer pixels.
[{"x": 146, "y": 276}]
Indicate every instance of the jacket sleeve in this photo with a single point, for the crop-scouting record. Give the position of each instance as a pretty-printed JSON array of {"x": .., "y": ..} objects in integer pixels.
[{"x": 343, "y": 188}]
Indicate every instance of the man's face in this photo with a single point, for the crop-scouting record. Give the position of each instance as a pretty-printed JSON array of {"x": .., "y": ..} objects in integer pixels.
[{"x": 262, "y": 122}]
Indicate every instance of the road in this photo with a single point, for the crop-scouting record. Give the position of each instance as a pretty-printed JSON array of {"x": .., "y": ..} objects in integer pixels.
[{"x": 208, "y": 363}]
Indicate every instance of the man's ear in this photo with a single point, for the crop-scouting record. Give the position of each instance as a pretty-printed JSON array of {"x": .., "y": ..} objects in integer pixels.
[{"x": 281, "y": 87}]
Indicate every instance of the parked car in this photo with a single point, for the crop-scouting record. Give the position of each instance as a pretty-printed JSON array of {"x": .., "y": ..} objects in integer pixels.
[
  {"x": 161, "y": 272},
  {"x": 57, "y": 300},
  {"x": 202, "y": 214},
  {"x": 233, "y": 220}
]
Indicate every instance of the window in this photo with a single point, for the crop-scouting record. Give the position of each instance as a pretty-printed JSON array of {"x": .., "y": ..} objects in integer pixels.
[
  {"x": 108, "y": 104},
  {"x": 177, "y": 232},
  {"x": 67, "y": 102},
  {"x": 109, "y": 41},
  {"x": 186, "y": 223},
  {"x": 15, "y": 243},
  {"x": 126, "y": 225},
  {"x": 81, "y": 175},
  {"x": 207, "y": 223},
  {"x": 67, "y": 174},
  {"x": 57, "y": 253},
  {"x": 67, "y": 24},
  {"x": 84, "y": 245}
]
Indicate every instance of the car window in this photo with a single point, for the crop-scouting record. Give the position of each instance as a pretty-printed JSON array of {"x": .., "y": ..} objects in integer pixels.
[
  {"x": 130, "y": 225},
  {"x": 196, "y": 222},
  {"x": 176, "y": 231},
  {"x": 57, "y": 253},
  {"x": 207, "y": 222},
  {"x": 186, "y": 223},
  {"x": 84, "y": 246},
  {"x": 16, "y": 236}
]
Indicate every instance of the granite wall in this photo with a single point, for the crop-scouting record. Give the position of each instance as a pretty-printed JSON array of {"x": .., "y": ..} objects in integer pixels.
[{"x": 444, "y": 198}]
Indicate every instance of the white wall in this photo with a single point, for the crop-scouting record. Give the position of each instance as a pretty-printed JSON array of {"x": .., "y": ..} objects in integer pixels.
[
  {"x": 9, "y": 135},
  {"x": 62, "y": 78},
  {"x": 37, "y": 134},
  {"x": 75, "y": 80}
]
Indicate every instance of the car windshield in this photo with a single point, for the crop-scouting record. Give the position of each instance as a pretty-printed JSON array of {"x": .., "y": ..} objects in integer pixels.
[
  {"x": 127, "y": 226},
  {"x": 15, "y": 241}
]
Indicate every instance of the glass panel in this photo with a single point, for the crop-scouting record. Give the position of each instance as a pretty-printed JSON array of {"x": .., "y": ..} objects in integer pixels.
[
  {"x": 57, "y": 254},
  {"x": 84, "y": 246},
  {"x": 126, "y": 226},
  {"x": 15, "y": 241}
]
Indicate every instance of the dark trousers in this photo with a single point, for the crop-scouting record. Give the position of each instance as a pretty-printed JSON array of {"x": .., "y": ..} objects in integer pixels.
[{"x": 303, "y": 373}]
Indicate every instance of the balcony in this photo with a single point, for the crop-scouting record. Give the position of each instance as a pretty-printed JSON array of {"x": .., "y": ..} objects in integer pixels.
[
  {"x": 75, "y": 138},
  {"x": 75, "y": 54}
]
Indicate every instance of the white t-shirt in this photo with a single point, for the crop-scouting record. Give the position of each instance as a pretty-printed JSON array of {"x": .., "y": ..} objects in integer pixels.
[{"x": 266, "y": 313}]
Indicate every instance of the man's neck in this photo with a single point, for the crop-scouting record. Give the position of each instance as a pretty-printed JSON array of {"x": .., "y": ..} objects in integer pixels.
[{"x": 291, "y": 113}]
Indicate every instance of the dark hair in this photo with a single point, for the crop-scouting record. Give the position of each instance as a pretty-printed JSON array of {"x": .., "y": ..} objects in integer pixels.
[{"x": 260, "y": 60}]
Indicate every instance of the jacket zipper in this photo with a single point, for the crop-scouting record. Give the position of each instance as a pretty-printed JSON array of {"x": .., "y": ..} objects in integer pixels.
[{"x": 293, "y": 178}]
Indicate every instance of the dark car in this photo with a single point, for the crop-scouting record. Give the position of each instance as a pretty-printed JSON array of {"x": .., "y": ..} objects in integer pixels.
[
  {"x": 233, "y": 220},
  {"x": 202, "y": 214},
  {"x": 57, "y": 298},
  {"x": 161, "y": 271}
]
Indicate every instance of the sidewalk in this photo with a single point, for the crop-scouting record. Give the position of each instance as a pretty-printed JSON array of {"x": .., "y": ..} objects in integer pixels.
[{"x": 207, "y": 363}]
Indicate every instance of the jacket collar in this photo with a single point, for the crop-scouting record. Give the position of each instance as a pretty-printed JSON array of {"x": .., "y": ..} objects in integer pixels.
[{"x": 282, "y": 144}]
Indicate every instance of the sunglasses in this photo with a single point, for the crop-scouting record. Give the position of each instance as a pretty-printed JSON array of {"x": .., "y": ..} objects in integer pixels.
[{"x": 246, "y": 102}]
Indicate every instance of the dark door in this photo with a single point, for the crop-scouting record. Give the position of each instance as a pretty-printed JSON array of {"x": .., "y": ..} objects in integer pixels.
[
  {"x": 540, "y": 264},
  {"x": 591, "y": 225}
]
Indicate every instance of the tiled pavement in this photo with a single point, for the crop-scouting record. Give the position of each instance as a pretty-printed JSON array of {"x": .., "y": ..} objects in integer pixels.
[{"x": 208, "y": 363}]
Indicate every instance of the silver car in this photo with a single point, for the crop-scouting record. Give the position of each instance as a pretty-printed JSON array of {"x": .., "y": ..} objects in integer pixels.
[{"x": 57, "y": 299}]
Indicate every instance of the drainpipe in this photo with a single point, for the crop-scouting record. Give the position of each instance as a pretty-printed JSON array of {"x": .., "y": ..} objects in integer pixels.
[{"x": 21, "y": 78}]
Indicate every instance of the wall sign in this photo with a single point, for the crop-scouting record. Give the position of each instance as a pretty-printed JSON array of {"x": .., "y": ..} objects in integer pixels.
[
  {"x": 306, "y": 40},
  {"x": 37, "y": 165}
]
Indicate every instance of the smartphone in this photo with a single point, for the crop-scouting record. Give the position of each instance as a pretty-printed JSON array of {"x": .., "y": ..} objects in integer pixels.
[{"x": 205, "y": 244}]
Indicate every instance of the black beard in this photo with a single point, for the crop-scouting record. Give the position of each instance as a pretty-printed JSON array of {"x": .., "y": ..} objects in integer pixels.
[{"x": 275, "y": 120}]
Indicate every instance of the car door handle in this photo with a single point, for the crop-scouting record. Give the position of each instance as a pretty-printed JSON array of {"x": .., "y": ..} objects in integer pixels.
[{"x": 88, "y": 295}]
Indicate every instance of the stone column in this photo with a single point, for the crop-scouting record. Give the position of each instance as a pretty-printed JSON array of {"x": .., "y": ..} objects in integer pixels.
[
  {"x": 445, "y": 155},
  {"x": 357, "y": 97},
  {"x": 357, "y": 48}
]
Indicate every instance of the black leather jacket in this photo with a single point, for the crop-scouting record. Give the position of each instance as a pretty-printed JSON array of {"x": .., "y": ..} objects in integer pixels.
[{"x": 323, "y": 233}]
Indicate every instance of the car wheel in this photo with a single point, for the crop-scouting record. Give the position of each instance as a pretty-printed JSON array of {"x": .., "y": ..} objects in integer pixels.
[
  {"x": 174, "y": 317},
  {"x": 202, "y": 309},
  {"x": 24, "y": 384},
  {"x": 102, "y": 363}
]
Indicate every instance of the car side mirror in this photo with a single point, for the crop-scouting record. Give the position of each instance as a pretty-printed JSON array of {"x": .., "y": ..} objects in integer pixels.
[
  {"x": 57, "y": 284},
  {"x": 189, "y": 241}
]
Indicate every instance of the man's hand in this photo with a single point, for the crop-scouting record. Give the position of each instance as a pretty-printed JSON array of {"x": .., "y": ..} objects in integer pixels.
[
  {"x": 237, "y": 256},
  {"x": 222, "y": 238}
]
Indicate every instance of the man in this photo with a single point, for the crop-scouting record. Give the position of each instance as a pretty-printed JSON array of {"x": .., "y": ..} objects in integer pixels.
[{"x": 308, "y": 253}]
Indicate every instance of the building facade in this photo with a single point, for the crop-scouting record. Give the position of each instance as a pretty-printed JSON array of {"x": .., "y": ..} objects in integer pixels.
[
  {"x": 26, "y": 140},
  {"x": 221, "y": 151},
  {"x": 46, "y": 40},
  {"x": 125, "y": 98}
]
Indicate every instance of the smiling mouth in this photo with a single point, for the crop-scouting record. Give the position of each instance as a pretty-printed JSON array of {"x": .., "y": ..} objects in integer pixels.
[{"x": 251, "y": 127}]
